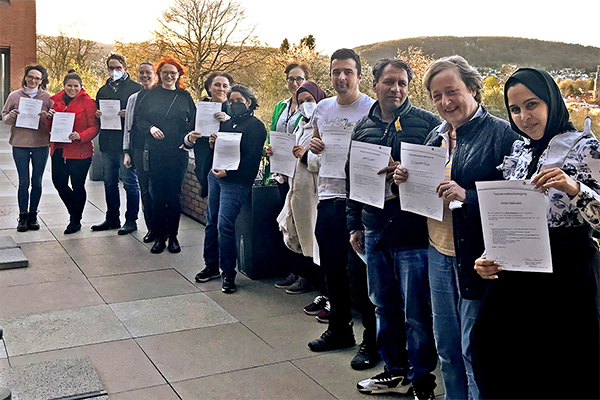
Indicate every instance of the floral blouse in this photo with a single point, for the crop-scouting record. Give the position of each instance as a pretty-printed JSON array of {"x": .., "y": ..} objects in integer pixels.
[{"x": 582, "y": 163}]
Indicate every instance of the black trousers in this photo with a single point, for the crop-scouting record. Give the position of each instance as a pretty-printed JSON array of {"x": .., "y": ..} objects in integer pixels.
[
  {"x": 167, "y": 170},
  {"x": 137, "y": 156},
  {"x": 76, "y": 170}
]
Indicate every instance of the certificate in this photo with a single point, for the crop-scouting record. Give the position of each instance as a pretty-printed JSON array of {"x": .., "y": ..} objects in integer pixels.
[
  {"x": 227, "y": 151},
  {"x": 62, "y": 127},
  {"x": 283, "y": 160},
  {"x": 366, "y": 159},
  {"x": 515, "y": 228},
  {"x": 29, "y": 113},
  {"x": 206, "y": 123},
  {"x": 110, "y": 114},
  {"x": 426, "y": 166},
  {"x": 334, "y": 156}
]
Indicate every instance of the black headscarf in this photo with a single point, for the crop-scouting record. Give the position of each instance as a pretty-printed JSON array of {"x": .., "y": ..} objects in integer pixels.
[{"x": 544, "y": 87}]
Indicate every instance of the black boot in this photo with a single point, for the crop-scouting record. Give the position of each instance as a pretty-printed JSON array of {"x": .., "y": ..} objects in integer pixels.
[
  {"x": 159, "y": 245},
  {"x": 74, "y": 226},
  {"x": 32, "y": 222},
  {"x": 22, "y": 225}
]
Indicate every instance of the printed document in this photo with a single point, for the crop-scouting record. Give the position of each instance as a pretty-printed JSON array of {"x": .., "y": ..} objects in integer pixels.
[
  {"x": 110, "y": 114},
  {"x": 227, "y": 151},
  {"x": 335, "y": 155},
  {"x": 29, "y": 113},
  {"x": 62, "y": 127},
  {"x": 206, "y": 124},
  {"x": 283, "y": 160},
  {"x": 366, "y": 159},
  {"x": 426, "y": 169},
  {"x": 515, "y": 228}
]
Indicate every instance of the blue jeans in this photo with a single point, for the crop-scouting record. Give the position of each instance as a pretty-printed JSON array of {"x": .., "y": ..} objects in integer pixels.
[
  {"x": 453, "y": 320},
  {"x": 38, "y": 156},
  {"x": 399, "y": 289},
  {"x": 113, "y": 169},
  {"x": 225, "y": 200}
]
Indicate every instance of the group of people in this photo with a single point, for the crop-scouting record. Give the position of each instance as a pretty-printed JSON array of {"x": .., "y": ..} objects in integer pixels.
[{"x": 429, "y": 294}]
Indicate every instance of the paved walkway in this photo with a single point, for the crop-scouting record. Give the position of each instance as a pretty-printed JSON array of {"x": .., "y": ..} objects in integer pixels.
[{"x": 150, "y": 331}]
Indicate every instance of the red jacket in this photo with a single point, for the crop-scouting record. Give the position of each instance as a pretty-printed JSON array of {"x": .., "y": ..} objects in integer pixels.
[{"x": 86, "y": 124}]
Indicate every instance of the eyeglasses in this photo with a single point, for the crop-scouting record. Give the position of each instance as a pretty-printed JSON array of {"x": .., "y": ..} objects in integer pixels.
[
  {"x": 35, "y": 78},
  {"x": 111, "y": 68},
  {"x": 298, "y": 80},
  {"x": 167, "y": 73}
]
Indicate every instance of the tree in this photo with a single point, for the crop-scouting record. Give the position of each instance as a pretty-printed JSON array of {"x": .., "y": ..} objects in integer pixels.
[
  {"x": 418, "y": 62},
  {"x": 207, "y": 36},
  {"x": 136, "y": 53},
  {"x": 60, "y": 53},
  {"x": 492, "y": 97},
  {"x": 285, "y": 46},
  {"x": 308, "y": 42}
]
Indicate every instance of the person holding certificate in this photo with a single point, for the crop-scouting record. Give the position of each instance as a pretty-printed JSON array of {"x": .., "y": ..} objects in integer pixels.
[
  {"x": 228, "y": 190},
  {"x": 395, "y": 243},
  {"x": 163, "y": 117},
  {"x": 29, "y": 138},
  {"x": 476, "y": 143},
  {"x": 545, "y": 325},
  {"x": 71, "y": 160}
]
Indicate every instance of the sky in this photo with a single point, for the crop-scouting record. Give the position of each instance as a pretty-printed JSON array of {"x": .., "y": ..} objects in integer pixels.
[{"x": 336, "y": 24}]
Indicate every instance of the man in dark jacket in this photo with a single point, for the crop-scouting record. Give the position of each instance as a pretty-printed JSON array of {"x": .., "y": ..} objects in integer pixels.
[
  {"x": 395, "y": 243},
  {"x": 118, "y": 87}
]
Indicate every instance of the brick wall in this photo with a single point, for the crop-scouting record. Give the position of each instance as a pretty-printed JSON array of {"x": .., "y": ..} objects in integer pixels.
[
  {"x": 192, "y": 204},
  {"x": 17, "y": 33}
]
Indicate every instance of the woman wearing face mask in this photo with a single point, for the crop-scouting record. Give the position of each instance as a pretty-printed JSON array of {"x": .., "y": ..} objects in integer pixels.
[
  {"x": 540, "y": 330},
  {"x": 298, "y": 216},
  {"x": 29, "y": 145},
  {"x": 165, "y": 115},
  {"x": 71, "y": 161},
  {"x": 228, "y": 190},
  {"x": 217, "y": 86}
]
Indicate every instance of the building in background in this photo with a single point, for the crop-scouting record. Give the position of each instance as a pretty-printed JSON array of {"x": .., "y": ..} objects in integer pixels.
[{"x": 17, "y": 42}]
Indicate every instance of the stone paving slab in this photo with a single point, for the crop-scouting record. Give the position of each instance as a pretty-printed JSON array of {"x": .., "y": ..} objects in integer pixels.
[
  {"x": 170, "y": 314},
  {"x": 7, "y": 242},
  {"x": 12, "y": 258},
  {"x": 33, "y": 333},
  {"x": 52, "y": 379}
]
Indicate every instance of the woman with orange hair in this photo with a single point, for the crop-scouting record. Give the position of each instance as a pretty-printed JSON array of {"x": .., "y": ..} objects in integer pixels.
[{"x": 164, "y": 116}]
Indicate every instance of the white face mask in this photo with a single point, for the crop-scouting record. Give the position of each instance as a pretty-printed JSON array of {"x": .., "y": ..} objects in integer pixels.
[
  {"x": 115, "y": 75},
  {"x": 307, "y": 109}
]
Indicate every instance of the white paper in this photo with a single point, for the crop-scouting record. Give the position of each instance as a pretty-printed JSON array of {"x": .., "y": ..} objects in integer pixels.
[
  {"x": 110, "y": 114},
  {"x": 283, "y": 160},
  {"x": 426, "y": 167},
  {"x": 206, "y": 123},
  {"x": 335, "y": 154},
  {"x": 62, "y": 127},
  {"x": 515, "y": 228},
  {"x": 29, "y": 113},
  {"x": 227, "y": 151},
  {"x": 366, "y": 159}
]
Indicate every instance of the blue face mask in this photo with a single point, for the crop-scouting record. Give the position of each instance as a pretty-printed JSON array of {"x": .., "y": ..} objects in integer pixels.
[{"x": 115, "y": 75}]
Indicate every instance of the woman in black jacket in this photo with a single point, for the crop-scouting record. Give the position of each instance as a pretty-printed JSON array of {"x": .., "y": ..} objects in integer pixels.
[
  {"x": 229, "y": 189},
  {"x": 476, "y": 144},
  {"x": 164, "y": 117}
]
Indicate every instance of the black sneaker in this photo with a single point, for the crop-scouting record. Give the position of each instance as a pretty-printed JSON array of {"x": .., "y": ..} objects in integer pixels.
[
  {"x": 424, "y": 388},
  {"x": 333, "y": 341},
  {"x": 366, "y": 357},
  {"x": 228, "y": 284},
  {"x": 287, "y": 282},
  {"x": 316, "y": 306},
  {"x": 302, "y": 285},
  {"x": 385, "y": 383},
  {"x": 207, "y": 274}
]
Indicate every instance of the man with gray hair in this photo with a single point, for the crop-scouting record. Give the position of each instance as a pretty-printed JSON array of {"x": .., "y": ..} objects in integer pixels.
[{"x": 395, "y": 243}]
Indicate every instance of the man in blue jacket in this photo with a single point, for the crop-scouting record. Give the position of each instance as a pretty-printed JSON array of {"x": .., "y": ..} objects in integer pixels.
[
  {"x": 395, "y": 243},
  {"x": 119, "y": 87}
]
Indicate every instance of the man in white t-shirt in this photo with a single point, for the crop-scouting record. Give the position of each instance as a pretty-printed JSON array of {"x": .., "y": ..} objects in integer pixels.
[{"x": 342, "y": 111}]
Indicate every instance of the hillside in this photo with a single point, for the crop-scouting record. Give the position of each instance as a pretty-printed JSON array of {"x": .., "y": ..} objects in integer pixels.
[{"x": 493, "y": 52}]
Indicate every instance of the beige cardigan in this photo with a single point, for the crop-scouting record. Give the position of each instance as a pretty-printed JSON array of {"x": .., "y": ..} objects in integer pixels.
[{"x": 23, "y": 137}]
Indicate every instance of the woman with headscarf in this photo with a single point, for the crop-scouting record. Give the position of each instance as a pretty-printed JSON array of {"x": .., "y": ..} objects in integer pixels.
[
  {"x": 537, "y": 334},
  {"x": 298, "y": 217}
]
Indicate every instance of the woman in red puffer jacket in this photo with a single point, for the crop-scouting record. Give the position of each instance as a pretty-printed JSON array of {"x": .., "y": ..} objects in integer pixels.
[{"x": 72, "y": 160}]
